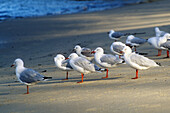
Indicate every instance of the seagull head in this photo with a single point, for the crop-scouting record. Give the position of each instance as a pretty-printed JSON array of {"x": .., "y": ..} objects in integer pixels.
[
  {"x": 157, "y": 29},
  {"x": 98, "y": 50},
  {"x": 18, "y": 62},
  {"x": 72, "y": 56},
  {"x": 111, "y": 31},
  {"x": 129, "y": 38},
  {"x": 77, "y": 49}
]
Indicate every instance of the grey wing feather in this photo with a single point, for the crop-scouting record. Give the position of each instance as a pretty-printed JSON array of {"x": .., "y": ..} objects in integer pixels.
[
  {"x": 110, "y": 59},
  {"x": 84, "y": 63},
  {"x": 118, "y": 48},
  {"x": 141, "y": 60},
  {"x": 29, "y": 76},
  {"x": 166, "y": 45},
  {"x": 66, "y": 63},
  {"x": 138, "y": 40},
  {"x": 117, "y": 34},
  {"x": 87, "y": 52}
]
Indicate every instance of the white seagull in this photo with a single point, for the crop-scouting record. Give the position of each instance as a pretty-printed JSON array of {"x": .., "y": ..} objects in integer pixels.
[
  {"x": 63, "y": 64},
  {"x": 133, "y": 41},
  {"x": 137, "y": 61},
  {"x": 106, "y": 60},
  {"x": 117, "y": 35},
  {"x": 84, "y": 52},
  {"x": 83, "y": 65},
  {"x": 117, "y": 47},
  {"x": 154, "y": 40},
  {"x": 27, "y": 76},
  {"x": 163, "y": 43}
]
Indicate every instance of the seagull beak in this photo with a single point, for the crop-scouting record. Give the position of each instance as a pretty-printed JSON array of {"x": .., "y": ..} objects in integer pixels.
[
  {"x": 12, "y": 65},
  {"x": 66, "y": 58},
  {"x": 93, "y": 52}
]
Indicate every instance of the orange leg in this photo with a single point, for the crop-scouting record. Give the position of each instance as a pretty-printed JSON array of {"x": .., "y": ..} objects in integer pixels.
[
  {"x": 135, "y": 49},
  {"x": 82, "y": 75},
  {"x": 167, "y": 53},
  {"x": 159, "y": 52},
  {"x": 27, "y": 90},
  {"x": 136, "y": 74},
  {"x": 66, "y": 76},
  {"x": 106, "y": 74}
]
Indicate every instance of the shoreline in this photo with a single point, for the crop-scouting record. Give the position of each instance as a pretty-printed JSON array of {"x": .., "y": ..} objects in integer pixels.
[{"x": 38, "y": 40}]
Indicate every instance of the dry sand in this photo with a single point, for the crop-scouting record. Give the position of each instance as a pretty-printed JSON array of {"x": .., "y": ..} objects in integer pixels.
[{"x": 38, "y": 40}]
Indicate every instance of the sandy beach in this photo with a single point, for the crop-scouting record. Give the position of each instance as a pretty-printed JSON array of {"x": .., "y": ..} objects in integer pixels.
[{"x": 38, "y": 40}]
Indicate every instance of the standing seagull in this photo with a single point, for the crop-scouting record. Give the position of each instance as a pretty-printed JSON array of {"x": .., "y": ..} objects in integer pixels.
[
  {"x": 106, "y": 60},
  {"x": 136, "y": 61},
  {"x": 117, "y": 47},
  {"x": 83, "y": 65},
  {"x": 133, "y": 41},
  {"x": 84, "y": 52},
  {"x": 27, "y": 76},
  {"x": 154, "y": 40},
  {"x": 163, "y": 43},
  {"x": 63, "y": 64},
  {"x": 117, "y": 35}
]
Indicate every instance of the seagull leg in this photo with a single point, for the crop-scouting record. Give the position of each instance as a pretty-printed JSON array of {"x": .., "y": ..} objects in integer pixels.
[
  {"x": 27, "y": 90},
  {"x": 167, "y": 53},
  {"x": 159, "y": 52},
  {"x": 82, "y": 75},
  {"x": 106, "y": 74},
  {"x": 136, "y": 74},
  {"x": 66, "y": 76}
]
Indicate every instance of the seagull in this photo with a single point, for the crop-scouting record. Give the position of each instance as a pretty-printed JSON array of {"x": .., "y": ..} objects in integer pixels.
[
  {"x": 154, "y": 40},
  {"x": 84, "y": 52},
  {"x": 163, "y": 43},
  {"x": 27, "y": 76},
  {"x": 159, "y": 33},
  {"x": 117, "y": 35},
  {"x": 63, "y": 64},
  {"x": 137, "y": 61},
  {"x": 117, "y": 47},
  {"x": 83, "y": 65},
  {"x": 106, "y": 60},
  {"x": 133, "y": 41}
]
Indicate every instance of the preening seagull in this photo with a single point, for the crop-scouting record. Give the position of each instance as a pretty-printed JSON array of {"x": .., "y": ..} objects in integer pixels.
[
  {"x": 63, "y": 64},
  {"x": 117, "y": 47}
]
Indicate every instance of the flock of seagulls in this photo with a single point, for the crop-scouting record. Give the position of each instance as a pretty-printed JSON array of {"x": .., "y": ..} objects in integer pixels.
[{"x": 81, "y": 59}]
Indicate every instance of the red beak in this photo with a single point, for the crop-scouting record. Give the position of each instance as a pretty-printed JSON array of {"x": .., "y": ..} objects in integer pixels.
[
  {"x": 93, "y": 52},
  {"x": 12, "y": 65},
  {"x": 66, "y": 58}
]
